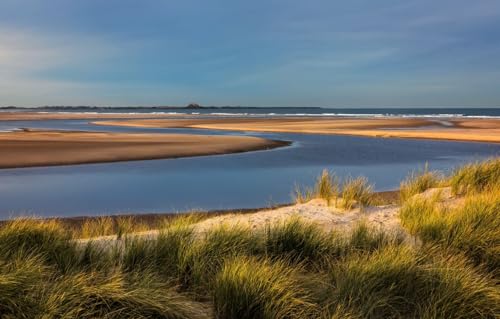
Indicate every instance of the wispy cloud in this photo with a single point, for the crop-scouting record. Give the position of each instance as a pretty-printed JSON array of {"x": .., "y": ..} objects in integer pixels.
[{"x": 262, "y": 53}]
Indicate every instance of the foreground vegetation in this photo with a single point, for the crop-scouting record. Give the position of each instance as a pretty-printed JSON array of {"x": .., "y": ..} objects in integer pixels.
[{"x": 449, "y": 268}]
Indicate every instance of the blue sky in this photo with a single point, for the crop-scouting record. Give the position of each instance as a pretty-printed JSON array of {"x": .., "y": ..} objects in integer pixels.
[{"x": 260, "y": 53}]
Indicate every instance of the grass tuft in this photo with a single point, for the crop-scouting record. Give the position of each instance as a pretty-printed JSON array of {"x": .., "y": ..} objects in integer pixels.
[
  {"x": 28, "y": 237},
  {"x": 252, "y": 288},
  {"x": 327, "y": 186},
  {"x": 418, "y": 182},
  {"x": 301, "y": 196},
  {"x": 356, "y": 191},
  {"x": 472, "y": 229},
  {"x": 201, "y": 261},
  {"x": 297, "y": 241},
  {"x": 398, "y": 282},
  {"x": 476, "y": 177}
]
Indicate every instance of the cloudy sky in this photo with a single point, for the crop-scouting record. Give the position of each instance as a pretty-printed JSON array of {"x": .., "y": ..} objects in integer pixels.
[{"x": 353, "y": 53}]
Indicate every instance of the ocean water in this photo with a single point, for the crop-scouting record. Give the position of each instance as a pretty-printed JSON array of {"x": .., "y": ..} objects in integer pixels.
[
  {"x": 244, "y": 180},
  {"x": 436, "y": 112}
]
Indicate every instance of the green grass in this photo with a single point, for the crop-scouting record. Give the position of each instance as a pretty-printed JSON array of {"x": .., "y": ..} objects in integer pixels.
[
  {"x": 202, "y": 260},
  {"x": 398, "y": 282},
  {"x": 418, "y": 182},
  {"x": 294, "y": 269},
  {"x": 95, "y": 227},
  {"x": 352, "y": 192},
  {"x": 18, "y": 276},
  {"x": 476, "y": 177},
  {"x": 28, "y": 237},
  {"x": 298, "y": 241},
  {"x": 107, "y": 226},
  {"x": 365, "y": 239},
  {"x": 327, "y": 186},
  {"x": 473, "y": 229},
  {"x": 252, "y": 288},
  {"x": 356, "y": 192}
]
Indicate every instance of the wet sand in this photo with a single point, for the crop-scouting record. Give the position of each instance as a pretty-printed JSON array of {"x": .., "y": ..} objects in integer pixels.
[
  {"x": 477, "y": 130},
  {"x": 46, "y": 148}
]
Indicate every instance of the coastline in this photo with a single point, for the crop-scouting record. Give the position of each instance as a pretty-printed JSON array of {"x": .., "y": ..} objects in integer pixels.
[
  {"x": 385, "y": 197},
  {"x": 31, "y": 148}
]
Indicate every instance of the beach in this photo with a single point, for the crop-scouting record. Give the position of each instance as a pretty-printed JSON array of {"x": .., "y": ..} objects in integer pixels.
[
  {"x": 47, "y": 148},
  {"x": 476, "y": 130}
]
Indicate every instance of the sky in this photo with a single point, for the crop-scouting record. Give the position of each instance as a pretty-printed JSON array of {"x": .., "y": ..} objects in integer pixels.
[{"x": 357, "y": 53}]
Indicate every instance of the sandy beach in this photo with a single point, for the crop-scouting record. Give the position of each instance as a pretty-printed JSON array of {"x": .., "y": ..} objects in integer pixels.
[
  {"x": 46, "y": 148},
  {"x": 477, "y": 130}
]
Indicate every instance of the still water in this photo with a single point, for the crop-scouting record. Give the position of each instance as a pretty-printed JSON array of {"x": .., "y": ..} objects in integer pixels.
[{"x": 244, "y": 180}]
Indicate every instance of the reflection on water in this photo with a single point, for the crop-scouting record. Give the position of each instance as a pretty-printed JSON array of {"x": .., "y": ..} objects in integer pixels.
[{"x": 253, "y": 179}]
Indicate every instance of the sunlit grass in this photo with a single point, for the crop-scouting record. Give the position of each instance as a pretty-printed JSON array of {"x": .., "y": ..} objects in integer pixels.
[
  {"x": 28, "y": 237},
  {"x": 476, "y": 177},
  {"x": 301, "y": 196},
  {"x": 327, "y": 186},
  {"x": 291, "y": 269},
  {"x": 473, "y": 229},
  {"x": 418, "y": 182},
  {"x": 202, "y": 260},
  {"x": 252, "y": 288},
  {"x": 399, "y": 282},
  {"x": 297, "y": 241},
  {"x": 356, "y": 191}
]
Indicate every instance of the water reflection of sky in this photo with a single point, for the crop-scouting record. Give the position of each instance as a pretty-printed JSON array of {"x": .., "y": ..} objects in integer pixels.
[{"x": 241, "y": 180}]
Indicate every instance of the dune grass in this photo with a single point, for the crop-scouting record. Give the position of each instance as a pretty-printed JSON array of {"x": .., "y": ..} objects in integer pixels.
[
  {"x": 48, "y": 239},
  {"x": 202, "y": 260},
  {"x": 476, "y": 177},
  {"x": 293, "y": 269},
  {"x": 399, "y": 282},
  {"x": 107, "y": 226},
  {"x": 418, "y": 182},
  {"x": 351, "y": 191},
  {"x": 298, "y": 241},
  {"x": 327, "y": 186},
  {"x": 302, "y": 195},
  {"x": 356, "y": 191},
  {"x": 252, "y": 288},
  {"x": 473, "y": 229}
]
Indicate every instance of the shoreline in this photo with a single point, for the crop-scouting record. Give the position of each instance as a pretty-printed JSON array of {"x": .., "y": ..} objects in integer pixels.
[
  {"x": 36, "y": 148},
  {"x": 389, "y": 197}
]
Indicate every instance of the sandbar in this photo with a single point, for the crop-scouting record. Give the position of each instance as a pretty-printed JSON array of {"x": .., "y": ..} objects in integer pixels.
[
  {"x": 47, "y": 148},
  {"x": 476, "y": 130}
]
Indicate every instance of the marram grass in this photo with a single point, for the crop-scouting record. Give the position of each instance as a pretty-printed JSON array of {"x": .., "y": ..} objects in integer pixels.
[
  {"x": 472, "y": 229},
  {"x": 399, "y": 282},
  {"x": 253, "y": 288},
  {"x": 290, "y": 270},
  {"x": 356, "y": 191},
  {"x": 476, "y": 177},
  {"x": 418, "y": 182}
]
